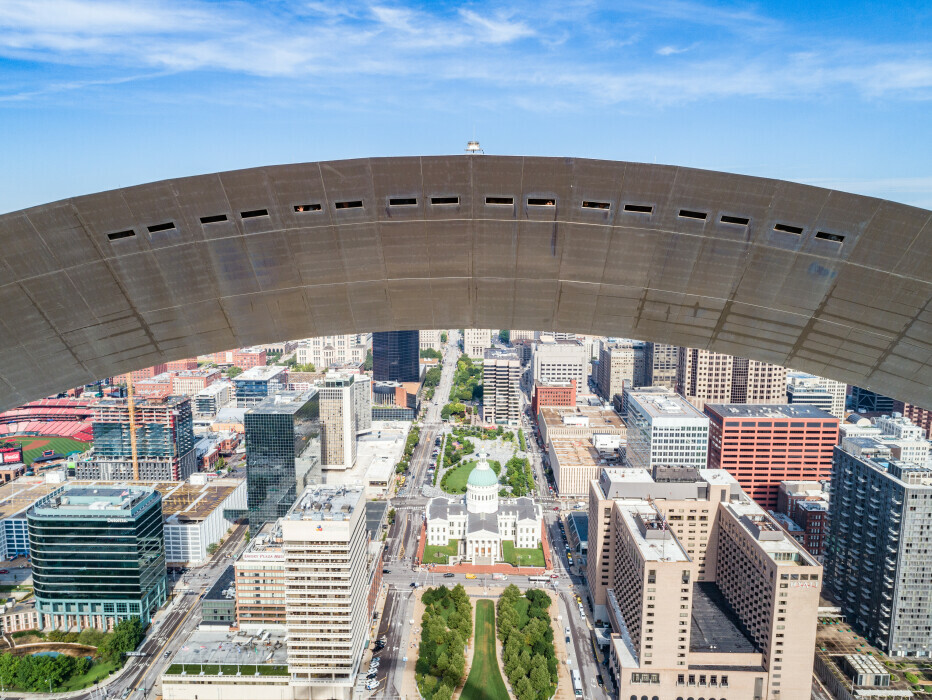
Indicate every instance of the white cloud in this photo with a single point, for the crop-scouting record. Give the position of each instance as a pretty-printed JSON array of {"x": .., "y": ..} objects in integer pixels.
[{"x": 670, "y": 50}]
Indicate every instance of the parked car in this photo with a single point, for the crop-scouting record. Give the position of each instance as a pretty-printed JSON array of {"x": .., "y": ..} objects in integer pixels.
[{"x": 386, "y": 571}]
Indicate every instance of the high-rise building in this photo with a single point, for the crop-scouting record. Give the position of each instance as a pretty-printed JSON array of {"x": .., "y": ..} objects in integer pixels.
[
  {"x": 256, "y": 384},
  {"x": 806, "y": 504},
  {"x": 763, "y": 445},
  {"x": 867, "y": 401},
  {"x": 820, "y": 392},
  {"x": 209, "y": 401},
  {"x": 324, "y": 539},
  {"x": 560, "y": 361},
  {"x": 327, "y": 350},
  {"x": 616, "y": 367},
  {"x": 711, "y": 377},
  {"x": 920, "y": 416},
  {"x": 97, "y": 555},
  {"x": 430, "y": 340},
  {"x": 501, "y": 372},
  {"x": 282, "y": 453},
  {"x": 164, "y": 441},
  {"x": 704, "y": 592},
  {"x": 476, "y": 341},
  {"x": 260, "y": 580},
  {"x": 345, "y": 411},
  {"x": 642, "y": 371},
  {"x": 663, "y": 429},
  {"x": 878, "y": 565},
  {"x": 661, "y": 364},
  {"x": 396, "y": 356}
]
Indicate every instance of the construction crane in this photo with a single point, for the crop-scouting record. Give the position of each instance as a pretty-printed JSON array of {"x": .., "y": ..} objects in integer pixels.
[{"x": 131, "y": 407}]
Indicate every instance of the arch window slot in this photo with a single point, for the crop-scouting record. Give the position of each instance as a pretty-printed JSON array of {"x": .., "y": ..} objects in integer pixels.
[
  {"x": 253, "y": 213},
  {"x": 689, "y": 214},
  {"x": 304, "y": 208},
  {"x": 352, "y": 204},
  {"x": 167, "y": 226},
  {"x": 215, "y": 219},
  {"x": 786, "y": 228},
  {"x": 642, "y": 209},
  {"x": 826, "y": 236},
  {"x": 736, "y": 220},
  {"x": 500, "y": 200},
  {"x": 537, "y": 202},
  {"x": 402, "y": 202},
  {"x": 587, "y": 204},
  {"x": 444, "y": 200},
  {"x": 118, "y": 235}
]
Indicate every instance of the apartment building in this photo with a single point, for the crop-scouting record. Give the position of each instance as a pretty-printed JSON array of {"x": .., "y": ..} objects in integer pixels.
[
  {"x": 704, "y": 592},
  {"x": 327, "y": 350},
  {"x": 476, "y": 341},
  {"x": 616, "y": 367},
  {"x": 188, "y": 382},
  {"x": 827, "y": 394},
  {"x": 208, "y": 402},
  {"x": 324, "y": 539},
  {"x": 878, "y": 564},
  {"x": 664, "y": 429},
  {"x": 260, "y": 581},
  {"x": 763, "y": 445},
  {"x": 711, "y": 377},
  {"x": 920, "y": 416},
  {"x": 559, "y": 362},
  {"x": 661, "y": 361},
  {"x": 501, "y": 374}
]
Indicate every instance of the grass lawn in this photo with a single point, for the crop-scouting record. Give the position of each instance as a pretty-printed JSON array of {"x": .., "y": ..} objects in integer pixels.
[
  {"x": 456, "y": 481},
  {"x": 485, "y": 680},
  {"x": 61, "y": 445},
  {"x": 522, "y": 557},
  {"x": 437, "y": 554},
  {"x": 97, "y": 672}
]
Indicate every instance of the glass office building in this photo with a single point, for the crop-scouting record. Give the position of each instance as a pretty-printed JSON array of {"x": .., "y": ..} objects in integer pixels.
[
  {"x": 396, "y": 356},
  {"x": 97, "y": 555},
  {"x": 282, "y": 453}
]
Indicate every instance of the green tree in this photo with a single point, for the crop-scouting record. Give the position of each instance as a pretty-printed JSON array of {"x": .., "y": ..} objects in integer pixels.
[
  {"x": 367, "y": 365},
  {"x": 504, "y": 336},
  {"x": 234, "y": 372},
  {"x": 443, "y": 336},
  {"x": 443, "y": 692},
  {"x": 540, "y": 680},
  {"x": 212, "y": 548},
  {"x": 391, "y": 516}
]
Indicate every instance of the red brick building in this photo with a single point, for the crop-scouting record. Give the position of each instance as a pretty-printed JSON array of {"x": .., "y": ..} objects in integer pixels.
[
  {"x": 553, "y": 395},
  {"x": 181, "y": 365},
  {"x": 920, "y": 416},
  {"x": 762, "y": 445}
]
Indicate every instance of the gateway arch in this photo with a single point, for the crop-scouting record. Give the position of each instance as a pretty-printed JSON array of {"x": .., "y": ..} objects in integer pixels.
[{"x": 818, "y": 280}]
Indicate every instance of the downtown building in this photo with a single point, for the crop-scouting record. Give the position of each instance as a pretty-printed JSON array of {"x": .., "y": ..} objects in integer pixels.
[
  {"x": 476, "y": 341},
  {"x": 501, "y": 374},
  {"x": 396, "y": 357},
  {"x": 827, "y": 394},
  {"x": 764, "y": 445},
  {"x": 616, "y": 367},
  {"x": 260, "y": 581},
  {"x": 430, "y": 340},
  {"x": 706, "y": 596},
  {"x": 325, "y": 542},
  {"x": 283, "y": 453},
  {"x": 712, "y": 377},
  {"x": 345, "y": 412},
  {"x": 878, "y": 565},
  {"x": 664, "y": 429},
  {"x": 561, "y": 394},
  {"x": 257, "y": 384},
  {"x": 661, "y": 361},
  {"x": 559, "y": 362},
  {"x": 164, "y": 441},
  {"x": 97, "y": 555},
  {"x": 327, "y": 350}
]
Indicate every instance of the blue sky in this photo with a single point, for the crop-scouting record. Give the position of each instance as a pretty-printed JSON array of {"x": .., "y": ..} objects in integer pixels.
[{"x": 102, "y": 94}]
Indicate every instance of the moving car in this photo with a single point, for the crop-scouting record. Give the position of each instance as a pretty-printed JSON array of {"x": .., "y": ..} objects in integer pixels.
[
  {"x": 449, "y": 575},
  {"x": 470, "y": 576}
]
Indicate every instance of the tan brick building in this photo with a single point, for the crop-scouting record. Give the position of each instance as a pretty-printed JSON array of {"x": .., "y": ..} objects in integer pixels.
[{"x": 713, "y": 377}]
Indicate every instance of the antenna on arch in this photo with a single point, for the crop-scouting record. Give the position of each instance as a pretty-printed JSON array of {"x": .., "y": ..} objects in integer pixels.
[{"x": 473, "y": 148}]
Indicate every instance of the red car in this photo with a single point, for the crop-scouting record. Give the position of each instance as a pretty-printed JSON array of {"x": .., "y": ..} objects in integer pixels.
[{"x": 4, "y": 571}]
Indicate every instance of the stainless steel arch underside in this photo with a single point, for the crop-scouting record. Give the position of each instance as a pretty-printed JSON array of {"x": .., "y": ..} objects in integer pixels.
[{"x": 100, "y": 284}]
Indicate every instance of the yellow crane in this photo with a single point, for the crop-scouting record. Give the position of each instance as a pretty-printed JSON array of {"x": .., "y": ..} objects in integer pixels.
[{"x": 131, "y": 407}]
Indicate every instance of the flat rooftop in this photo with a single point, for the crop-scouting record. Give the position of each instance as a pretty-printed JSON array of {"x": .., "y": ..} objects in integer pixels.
[
  {"x": 769, "y": 535},
  {"x": 327, "y": 503},
  {"x": 667, "y": 549},
  {"x": 789, "y": 411},
  {"x": 715, "y": 625},
  {"x": 228, "y": 648},
  {"x": 288, "y": 402},
  {"x": 261, "y": 373},
  {"x": 664, "y": 405},
  {"x": 580, "y": 524},
  {"x": 224, "y": 583},
  {"x": 598, "y": 417},
  {"x": 575, "y": 452},
  {"x": 266, "y": 545},
  {"x": 375, "y": 514}
]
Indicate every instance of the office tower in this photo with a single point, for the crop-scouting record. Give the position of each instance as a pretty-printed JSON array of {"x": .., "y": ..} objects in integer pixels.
[
  {"x": 339, "y": 406},
  {"x": 260, "y": 580},
  {"x": 665, "y": 429},
  {"x": 867, "y": 401},
  {"x": 327, "y": 350},
  {"x": 563, "y": 394},
  {"x": 164, "y": 441},
  {"x": 878, "y": 565},
  {"x": 324, "y": 539},
  {"x": 282, "y": 453},
  {"x": 560, "y": 361},
  {"x": 523, "y": 335},
  {"x": 501, "y": 372},
  {"x": 711, "y": 377},
  {"x": 395, "y": 357},
  {"x": 705, "y": 594},
  {"x": 362, "y": 398},
  {"x": 820, "y": 392},
  {"x": 97, "y": 555},
  {"x": 641, "y": 376},
  {"x": 257, "y": 384},
  {"x": 762, "y": 445},
  {"x": 661, "y": 364},
  {"x": 476, "y": 341},
  {"x": 616, "y": 367},
  {"x": 430, "y": 340}
]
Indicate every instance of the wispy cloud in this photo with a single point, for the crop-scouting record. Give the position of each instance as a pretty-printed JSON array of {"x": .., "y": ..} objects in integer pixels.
[{"x": 671, "y": 50}]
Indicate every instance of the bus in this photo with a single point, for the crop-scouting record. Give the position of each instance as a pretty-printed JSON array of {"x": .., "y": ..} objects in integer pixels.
[
  {"x": 577, "y": 683},
  {"x": 538, "y": 579}
]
